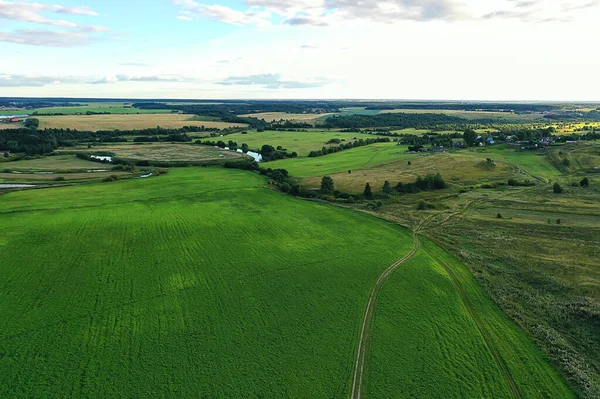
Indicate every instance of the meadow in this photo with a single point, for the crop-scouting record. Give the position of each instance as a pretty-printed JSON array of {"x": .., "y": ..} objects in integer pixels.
[
  {"x": 205, "y": 283},
  {"x": 301, "y": 142},
  {"x": 127, "y": 122},
  {"x": 158, "y": 152}
]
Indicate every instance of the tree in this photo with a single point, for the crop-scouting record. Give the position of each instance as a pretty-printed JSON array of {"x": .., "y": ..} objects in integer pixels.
[
  {"x": 557, "y": 188},
  {"x": 368, "y": 193},
  {"x": 585, "y": 183},
  {"x": 326, "y": 185},
  {"x": 387, "y": 188},
  {"x": 245, "y": 148},
  {"x": 32, "y": 123},
  {"x": 470, "y": 137},
  {"x": 499, "y": 216}
]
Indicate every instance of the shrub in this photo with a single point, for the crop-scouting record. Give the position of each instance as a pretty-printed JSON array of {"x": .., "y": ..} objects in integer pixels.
[
  {"x": 585, "y": 183},
  {"x": 60, "y": 178},
  {"x": 422, "y": 205},
  {"x": 499, "y": 216},
  {"x": 557, "y": 188}
]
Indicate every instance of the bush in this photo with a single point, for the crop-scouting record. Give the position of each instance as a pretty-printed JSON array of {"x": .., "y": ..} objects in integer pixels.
[
  {"x": 499, "y": 216},
  {"x": 422, "y": 205},
  {"x": 585, "y": 183},
  {"x": 557, "y": 188},
  {"x": 59, "y": 178}
]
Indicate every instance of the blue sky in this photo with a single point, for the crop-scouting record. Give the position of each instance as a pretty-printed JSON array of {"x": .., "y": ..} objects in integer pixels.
[{"x": 409, "y": 49}]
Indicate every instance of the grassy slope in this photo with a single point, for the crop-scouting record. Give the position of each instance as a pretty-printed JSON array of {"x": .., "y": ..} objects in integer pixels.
[
  {"x": 535, "y": 163},
  {"x": 301, "y": 142},
  {"x": 356, "y": 158},
  {"x": 208, "y": 286},
  {"x": 213, "y": 286},
  {"x": 442, "y": 352}
]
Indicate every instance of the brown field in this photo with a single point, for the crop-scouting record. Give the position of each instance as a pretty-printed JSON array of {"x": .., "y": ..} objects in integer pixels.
[
  {"x": 11, "y": 125},
  {"x": 127, "y": 122},
  {"x": 162, "y": 152},
  {"x": 275, "y": 116}
]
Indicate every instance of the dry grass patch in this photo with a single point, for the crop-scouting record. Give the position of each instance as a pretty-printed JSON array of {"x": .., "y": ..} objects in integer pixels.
[{"x": 127, "y": 122}]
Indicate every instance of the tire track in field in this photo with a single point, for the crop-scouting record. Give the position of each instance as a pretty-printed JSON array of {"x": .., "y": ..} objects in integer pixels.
[
  {"x": 367, "y": 324},
  {"x": 487, "y": 338}
]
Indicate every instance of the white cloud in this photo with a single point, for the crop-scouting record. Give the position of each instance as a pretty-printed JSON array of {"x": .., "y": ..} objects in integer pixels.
[
  {"x": 329, "y": 12},
  {"x": 49, "y": 38},
  {"x": 273, "y": 81},
  {"x": 251, "y": 16},
  {"x": 75, "y": 35}
]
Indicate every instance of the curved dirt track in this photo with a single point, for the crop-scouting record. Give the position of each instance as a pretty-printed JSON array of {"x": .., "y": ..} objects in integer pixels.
[{"x": 367, "y": 324}]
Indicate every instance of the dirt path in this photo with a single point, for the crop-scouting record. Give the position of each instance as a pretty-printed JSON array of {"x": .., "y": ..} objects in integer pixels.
[{"x": 367, "y": 324}]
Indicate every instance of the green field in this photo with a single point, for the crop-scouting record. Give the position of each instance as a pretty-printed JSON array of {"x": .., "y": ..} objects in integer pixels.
[
  {"x": 113, "y": 108},
  {"x": 534, "y": 162},
  {"x": 204, "y": 283},
  {"x": 301, "y": 142},
  {"x": 441, "y": 340},
  {"x": 356, "y": 158}
]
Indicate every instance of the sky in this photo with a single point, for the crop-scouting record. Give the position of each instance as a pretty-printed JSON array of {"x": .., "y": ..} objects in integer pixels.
[{"x": 500, "y": 50}]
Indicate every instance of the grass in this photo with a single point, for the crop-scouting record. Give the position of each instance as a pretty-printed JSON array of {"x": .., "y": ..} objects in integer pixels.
[
  {"x": 444, "y": 348},
  {"x": 203, "y": 283},
  {"x": 301, "y": 142},
  {"x": 160, "y": 152},
  {"x": 455, "y": 168},
  {"x": 127, "y": 122},
  {"x": 51, "y": 163},
  {"x": 356, "y": 158},
  {"x": 200, "y": 283},
  {"x": 534, "y": 162}
]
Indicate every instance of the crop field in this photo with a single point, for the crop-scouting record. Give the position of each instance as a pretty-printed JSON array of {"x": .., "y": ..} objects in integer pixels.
[
  {"x": 277, "y": 116},
  {"x": 160, "y": 152},
  {"x": 207, "y": 287},
  {"x": 455, "y": 334},
  {"x": 301, "y": 142},
  {"x": 202, "y": 283},
  {"x": 127, "y": 122}
]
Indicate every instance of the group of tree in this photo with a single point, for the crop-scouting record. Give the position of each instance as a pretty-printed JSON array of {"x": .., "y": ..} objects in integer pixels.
[
  {"x": 433, "y": 139},
  {"x": 347, "y": 146},
  {"x": 427, "y": 183},
  {"x": 396, "y": 120}
]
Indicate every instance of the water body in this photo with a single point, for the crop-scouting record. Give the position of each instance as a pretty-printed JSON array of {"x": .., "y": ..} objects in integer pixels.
[
  {"x": 257, "y": 157},
  {"x": 101, "y": 158}
]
